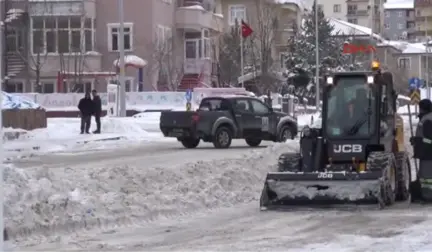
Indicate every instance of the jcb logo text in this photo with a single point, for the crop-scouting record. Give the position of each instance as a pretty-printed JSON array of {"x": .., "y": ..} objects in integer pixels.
[{"x": 347, "y": 148}]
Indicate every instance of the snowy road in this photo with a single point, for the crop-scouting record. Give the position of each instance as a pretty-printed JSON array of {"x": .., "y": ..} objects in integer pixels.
[
  {"x": 153, "y": 153},
  {"x": 244, "y": 228}
]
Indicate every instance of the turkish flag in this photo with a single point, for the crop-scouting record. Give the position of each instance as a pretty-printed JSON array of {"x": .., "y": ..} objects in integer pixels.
[{"x": 246, "y": 30}]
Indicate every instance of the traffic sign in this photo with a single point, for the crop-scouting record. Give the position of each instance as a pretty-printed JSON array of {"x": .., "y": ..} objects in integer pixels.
[
  {"x": 415, "y": 96},
  {"x": 414, "y": 83},
  {"x": 188, "y": 95}
]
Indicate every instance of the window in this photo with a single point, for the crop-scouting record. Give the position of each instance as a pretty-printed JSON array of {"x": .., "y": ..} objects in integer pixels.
[
  {"x": 46, "y": 88},
  {"x": 236, "y": 12},
  {"x": 283, "y": 59},
  {"x": 81, "y": 87},
  {"x": 400, "y": 13},
  {"x": 353, "y": 20},
  {"x": 129, "y": 81},
  {"x": 242, "y": 106},
  {"x": 259, "y": 107},
  {"x": 163, "y": 37},
  {"x": 62, "y": 34},
  {"x": 13, "y": 87},
  {"x": 352, "y": 9},
  {"x": 113, "y": 37},
  {"x": 419, "y": 13},
  {"x": 387, "y": 13},
  {"x": 401, "y": 26},
  {"x": 337, "y": 8},
  {"x": 404, "y": 63},
  {"x": 387, "y": 26}
]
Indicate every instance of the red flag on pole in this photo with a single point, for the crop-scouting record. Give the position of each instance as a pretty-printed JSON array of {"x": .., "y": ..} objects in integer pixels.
[{"x": 246, "y": 30}]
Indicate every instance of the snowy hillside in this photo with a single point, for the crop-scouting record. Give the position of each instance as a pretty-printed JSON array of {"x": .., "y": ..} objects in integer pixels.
[{"x": 11, "y": 101}]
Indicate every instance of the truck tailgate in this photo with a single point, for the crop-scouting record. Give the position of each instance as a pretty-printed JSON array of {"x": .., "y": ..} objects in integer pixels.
[{"x": 176, "y": 119}]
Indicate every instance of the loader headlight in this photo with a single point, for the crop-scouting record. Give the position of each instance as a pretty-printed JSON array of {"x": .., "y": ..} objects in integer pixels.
[
  {"x": 370, "y": 79},
  {"x": 306, "y": 131},
  {"x": 330, "y": 80}
]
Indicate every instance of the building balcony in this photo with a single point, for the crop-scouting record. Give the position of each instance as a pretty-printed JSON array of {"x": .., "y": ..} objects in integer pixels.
[
  {"x": 196, "y": 18},
  {"x": 351, "y": 13}
]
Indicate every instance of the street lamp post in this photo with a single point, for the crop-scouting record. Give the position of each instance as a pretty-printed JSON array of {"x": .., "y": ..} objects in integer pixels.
[
  {"x": 317, "y": 85},
  {"x": 121, "y": 66}
]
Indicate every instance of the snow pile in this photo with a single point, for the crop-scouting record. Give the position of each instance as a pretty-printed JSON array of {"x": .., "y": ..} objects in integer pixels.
[
  {"x": 43, "y": 200},
  {"x": 17, "y": 102},
  {"x": 311, "y": 120},
  {"x": 132, "y": 60},
  {"x": 149, "y": 120}
]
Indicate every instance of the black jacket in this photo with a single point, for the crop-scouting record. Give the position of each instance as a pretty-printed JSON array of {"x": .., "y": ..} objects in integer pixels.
[
  {"x": 97, "y": 105},
  {"x": 85, "y": 106}
]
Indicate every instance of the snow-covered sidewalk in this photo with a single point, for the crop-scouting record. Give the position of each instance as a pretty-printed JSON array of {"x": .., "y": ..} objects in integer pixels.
[{"x": 62, "y": 134}]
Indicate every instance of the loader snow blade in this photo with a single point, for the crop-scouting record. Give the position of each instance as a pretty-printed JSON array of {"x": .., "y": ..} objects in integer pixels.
[{"x": 289, "y": 189}]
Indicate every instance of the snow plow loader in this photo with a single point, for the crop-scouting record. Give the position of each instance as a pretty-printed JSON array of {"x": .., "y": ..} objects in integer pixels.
[{"x": 357, "y": 156}]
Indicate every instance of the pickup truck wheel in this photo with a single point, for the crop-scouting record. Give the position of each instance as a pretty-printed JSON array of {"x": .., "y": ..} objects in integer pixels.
[
  {"x": 286, "y": 133},
  {"x": 253, "y": 142},
  {"x": 190, "y": 143},
  {"x": 222, "y": 138}
]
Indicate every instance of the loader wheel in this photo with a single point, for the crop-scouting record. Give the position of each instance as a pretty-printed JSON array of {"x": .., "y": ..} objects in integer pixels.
[
  {"x": 222, "y": 138},
  {"x": 190, "y": 143},
  {"x": 253, "y": 142},
  {"x": 403, "y": 175},
  {"x": 385, "y": 162},
  {"x": 289, "y": 162}
]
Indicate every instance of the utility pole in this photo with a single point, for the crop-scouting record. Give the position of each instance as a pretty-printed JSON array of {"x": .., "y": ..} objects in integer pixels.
[
  {"x": 371, "y": 39},
  {"x": 428, "y": 91},
  {"x": 121, "y": 66},
  {"x": 317, "y": 85}
]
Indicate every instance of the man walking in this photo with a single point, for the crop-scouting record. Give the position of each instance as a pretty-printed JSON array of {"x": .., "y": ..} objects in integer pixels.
[
  {"x": 97, "y": 111},
  {"x": 85, "y": 107},
  {"x": 422, "y": 143}
]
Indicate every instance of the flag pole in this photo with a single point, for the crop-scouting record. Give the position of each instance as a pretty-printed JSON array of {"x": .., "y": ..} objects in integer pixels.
[{"x": 241, "y": 55}]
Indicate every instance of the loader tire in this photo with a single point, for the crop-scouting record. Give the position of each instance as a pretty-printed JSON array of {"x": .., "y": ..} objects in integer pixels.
[
  {"x": 403, "y": 174},
  {"x": 289, "y": 162},
  {"x": 386, "y": 163},
  {"x": 253, "y": 142},
  {"x": 190, "y": 143},
  {"x": 222, "y": 138}
]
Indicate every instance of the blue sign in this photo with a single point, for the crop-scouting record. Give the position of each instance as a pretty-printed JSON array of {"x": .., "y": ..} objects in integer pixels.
[
  {"x": 414, "y": 83},
  {"x": 188, "y": 95}
]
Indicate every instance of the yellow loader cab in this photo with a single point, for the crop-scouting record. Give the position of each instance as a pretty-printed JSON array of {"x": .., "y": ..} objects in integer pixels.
[{"x": 357, "y": 156}]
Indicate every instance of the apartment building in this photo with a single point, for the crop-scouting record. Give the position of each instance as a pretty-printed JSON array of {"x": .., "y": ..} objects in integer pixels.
[
  {"x": 334, "y": 8},
  {"x": 71, "y": 45},
  {"x": 423, "y": 18},
  {"x": 399, "y": 21},
  {"x": 368, "y": 13},
  {"x": 289, "y": 14}
]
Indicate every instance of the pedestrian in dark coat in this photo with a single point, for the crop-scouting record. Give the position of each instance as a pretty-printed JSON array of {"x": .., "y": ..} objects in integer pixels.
[
  {"x": 97, "y": 111},
  {"x": 85, "y": 107},
  {"x": 422, "y": 143}
]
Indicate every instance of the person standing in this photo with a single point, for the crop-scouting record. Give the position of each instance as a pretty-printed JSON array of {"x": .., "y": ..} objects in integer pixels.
[
  {"x": 85, "y": 107},
  {"x": 97, "y": 111},
  {"x": 422, "y": 143}
]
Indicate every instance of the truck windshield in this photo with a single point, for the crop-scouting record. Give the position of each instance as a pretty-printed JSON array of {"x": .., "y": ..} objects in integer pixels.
[{"x": 350, "y": 108}]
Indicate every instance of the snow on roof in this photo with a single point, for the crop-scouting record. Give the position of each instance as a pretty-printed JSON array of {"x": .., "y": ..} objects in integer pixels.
[
  {"x": 11, "y": 101},
  {"x": 345, "y": 28},
  {"x": 303, "y": 4},
  {"x": 405, "y": 47},
  {"x": 132, "y": 60},
  {"x": 399, "y": 4}
]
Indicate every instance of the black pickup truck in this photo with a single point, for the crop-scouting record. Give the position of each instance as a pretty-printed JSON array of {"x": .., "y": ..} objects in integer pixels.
[{"x": 220, "y": 119}]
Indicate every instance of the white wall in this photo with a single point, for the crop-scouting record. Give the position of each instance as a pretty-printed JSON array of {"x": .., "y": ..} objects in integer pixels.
[{"x": 328, "y": 8}]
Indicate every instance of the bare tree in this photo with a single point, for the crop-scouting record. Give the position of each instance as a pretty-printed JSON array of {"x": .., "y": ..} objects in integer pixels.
[
  {"x": 164, "y": 63},
  {"x": 262, "y": 43},
  {"x": 35, "y": 55}
]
